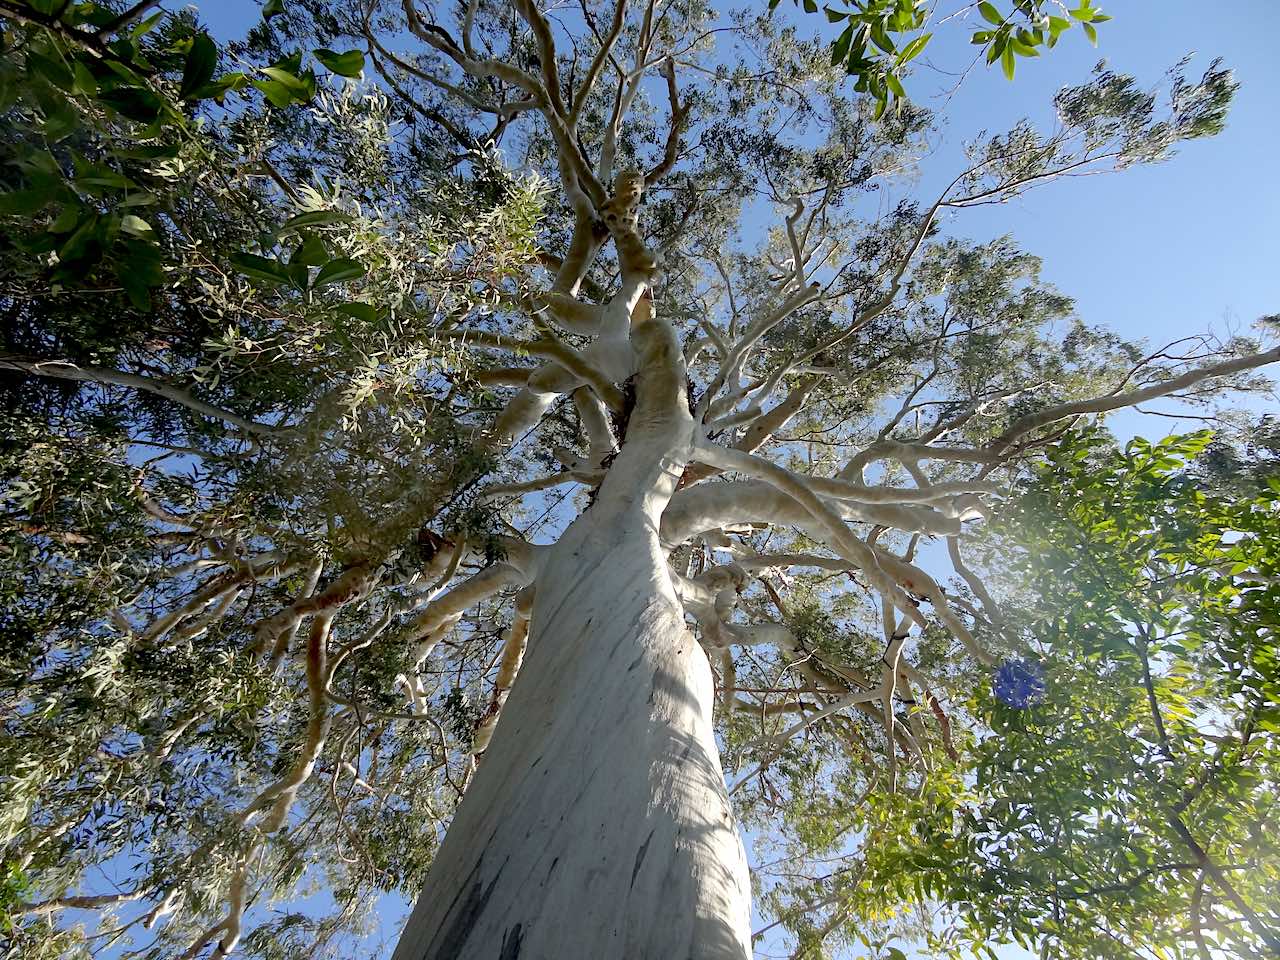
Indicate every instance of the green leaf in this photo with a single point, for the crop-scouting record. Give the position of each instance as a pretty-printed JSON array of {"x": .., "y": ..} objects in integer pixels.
[
  {"x": 1007, "y": 62},
  {"x": 135, "y": 103},
  {"x": 81, "y": 244},
  {"x": 97, "y": 175},
  {"x": 147, "y": 25},
  {"x": 810, "y": 6},
  {"x": 219, "y": 88},
  {"x": 349, "y": 64},
  {"x": 990, "y": 13},
  {"x": 997, "y": 47},
  {"x": 49, "y": 69},
  {"x": 287, "y": 73},
  {"x": 360, "y": 311},
  {"x": 314, "y": 218},
  {"x": 277, "y": 93},
  {"x": 139, "y": 271},
  {"x": 840, "y": 49},
  {"x": 337, "y": 271},
  {"x": 835, "y": 16},
  {"x": 310, "y": 253},
  {"x": 25, "y": 202},
  {"x": 139, "y": 198},
  {"x": 202, "y": 58},
  {"x": 84, "y": 84},
  {"x": 136, "y": 226},
  {"x": 261, "y": 268},
  {"x": 1091, "y": 32},
  {"x": 60, "y": 119},
  {"x": 286, "y": 78},
  {"x": 271, "y": 8},
  {"x": 881, "y": 39},
  {"x": 914, "y": 48}
]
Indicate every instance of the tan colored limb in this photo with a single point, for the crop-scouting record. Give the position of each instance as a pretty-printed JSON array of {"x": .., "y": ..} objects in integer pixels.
[
  {"x": 508, "y": 667},
  {"x": 1191, "y": 378}
]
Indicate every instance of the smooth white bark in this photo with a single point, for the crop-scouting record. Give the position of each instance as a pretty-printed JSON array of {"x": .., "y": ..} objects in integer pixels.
[{"x": 597, "y": 824}]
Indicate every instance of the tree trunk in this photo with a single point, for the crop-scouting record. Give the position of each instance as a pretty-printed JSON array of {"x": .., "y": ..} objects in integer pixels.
[{"x": 597, "y": 825}]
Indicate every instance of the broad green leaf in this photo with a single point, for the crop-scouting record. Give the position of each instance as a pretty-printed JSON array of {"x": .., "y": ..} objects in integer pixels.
[
  {"x": 840, "y": 49},
  {"x": 272, "y": 8},
  {"x": 25, "y": 202},
  {"x": 1007, "y": 62},
  {"x": 997, "y": 47},
  {"x": 261, "y": 268},
  {"x": 314, "y": 218},
  {"x": 310, "y": 253},
  {"x": 881, "y": 38},
  {"x": 146, "y": 26},
  {"x": 136, "y": 226},
  {"x": 85, "y": 84},
  {"x": 60, "y": 119},
  {"x": 55, "y": 71},
  {"x": 914, "y": 49},
  {"x": 1057, "y": 25},
  {"x": 349, "y": 64},
  {"x": 337, "y": 271},
  {"x": 360, "y": 311},
  {"x": 202, "y": 58},
  {"x": 276, "y": 92},
  {"x": 136, "y": 103},
  {"x": 990, "y": 13},
  {"x": 140, "y": 271}
]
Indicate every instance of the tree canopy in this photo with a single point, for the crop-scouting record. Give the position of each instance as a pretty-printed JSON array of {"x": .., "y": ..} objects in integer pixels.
[
  {"x": 880, "y": 38},
  {"x": 315, "y": 343}
]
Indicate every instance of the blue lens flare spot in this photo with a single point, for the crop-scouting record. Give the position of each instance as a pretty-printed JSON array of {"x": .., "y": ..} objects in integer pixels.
[{"x": 1019, "y": 683}]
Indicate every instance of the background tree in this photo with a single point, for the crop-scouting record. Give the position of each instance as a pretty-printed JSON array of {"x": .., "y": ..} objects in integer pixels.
[
  {"x": 880, "y": 38},
  {"x": 404, "y": 477},
  {"x": 1118, "y": 797}
]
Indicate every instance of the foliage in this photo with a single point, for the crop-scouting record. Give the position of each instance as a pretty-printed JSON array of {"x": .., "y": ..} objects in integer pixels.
[
  {"x": 1127, "y": 806},
  {"x": 295, "y": 360},
  {"x": 881, "y": 37},
  {"x": 142, "y": 241}
]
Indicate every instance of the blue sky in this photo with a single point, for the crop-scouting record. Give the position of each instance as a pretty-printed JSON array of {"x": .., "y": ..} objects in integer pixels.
[{"x": 1156, "y": 252}]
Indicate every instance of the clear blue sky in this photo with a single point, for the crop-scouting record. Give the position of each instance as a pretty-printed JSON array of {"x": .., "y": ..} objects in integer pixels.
[{"x": 1155, "y": 252}]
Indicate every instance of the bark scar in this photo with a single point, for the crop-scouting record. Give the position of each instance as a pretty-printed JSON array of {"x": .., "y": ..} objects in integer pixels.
[
  {"x": 511, "y": 943},
  {"x": 644, "y": 848}
]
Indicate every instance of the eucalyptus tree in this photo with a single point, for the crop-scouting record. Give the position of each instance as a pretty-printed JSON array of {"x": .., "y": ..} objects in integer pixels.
[{"x": 545, "y": 427}]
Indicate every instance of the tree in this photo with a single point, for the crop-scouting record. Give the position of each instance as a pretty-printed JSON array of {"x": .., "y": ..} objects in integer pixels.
[
  {"x": 870, "y": 45},
  {"x": 1120, "y": 794},
  {"x": 288, "y": 576}
]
